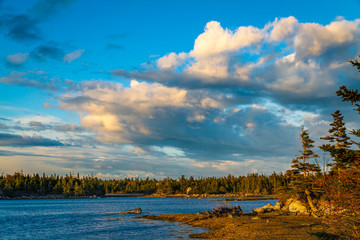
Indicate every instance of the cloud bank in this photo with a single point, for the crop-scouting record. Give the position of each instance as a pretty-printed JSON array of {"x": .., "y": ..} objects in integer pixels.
[{"x": 234, "y": 103}]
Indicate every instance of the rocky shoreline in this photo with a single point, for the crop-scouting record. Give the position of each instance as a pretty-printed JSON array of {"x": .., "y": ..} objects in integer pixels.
[
  {"x": 268, "y": 222},
  {"x": 270, "y": 225},
  {"x": 220, "y": 197}
]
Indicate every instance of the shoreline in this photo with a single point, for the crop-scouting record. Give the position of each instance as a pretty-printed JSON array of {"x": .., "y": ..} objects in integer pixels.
[
  {"x": 223, "y": 197},
  {"x": 219, "y": 197},
  {"x": 272, "y": 225},
  {"x": 35, "y": 197}
]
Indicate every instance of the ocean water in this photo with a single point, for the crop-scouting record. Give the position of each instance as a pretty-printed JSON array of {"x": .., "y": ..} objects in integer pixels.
[{"x": 99, "y": 218}]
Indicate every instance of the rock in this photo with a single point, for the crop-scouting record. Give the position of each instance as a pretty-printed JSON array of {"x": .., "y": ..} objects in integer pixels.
[
  {"x": 297, "y": 207},
  {"x": 269, "y": 206},
  {"x": 259, "y": 210},
  {"x": 277, "y": 206},
  {"x": 132, "y": 211},
  {"x": 289, "y": 200},
  {"x": 264, "y": 209}
]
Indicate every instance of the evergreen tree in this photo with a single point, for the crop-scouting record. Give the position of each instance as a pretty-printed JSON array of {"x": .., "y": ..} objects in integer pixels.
[
  {"x": 353, "y": 96},
  {"x": 339, "y": 146},
  {"x": 355, "y": 63},
  {"x": 303, "y": 174},
  {"x": 300, "y": 164}
]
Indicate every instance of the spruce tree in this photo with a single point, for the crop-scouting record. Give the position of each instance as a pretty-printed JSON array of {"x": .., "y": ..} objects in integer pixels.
[
  {"x": 352, "y": 96},
  {"x": 300, "y": 165},
  {"x": 304, "y": 173},
  {"x": 339, "y": 143}
]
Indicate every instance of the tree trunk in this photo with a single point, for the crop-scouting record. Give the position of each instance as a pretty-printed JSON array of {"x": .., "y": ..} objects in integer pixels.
[{"x": 314, "y": 210}]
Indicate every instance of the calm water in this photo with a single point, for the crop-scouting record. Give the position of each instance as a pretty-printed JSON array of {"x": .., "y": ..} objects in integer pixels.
[{"x": 100, "y": 219}]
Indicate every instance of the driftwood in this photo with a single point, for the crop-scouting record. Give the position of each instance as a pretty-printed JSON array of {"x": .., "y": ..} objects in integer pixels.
[{"x": 314, "y": 210}]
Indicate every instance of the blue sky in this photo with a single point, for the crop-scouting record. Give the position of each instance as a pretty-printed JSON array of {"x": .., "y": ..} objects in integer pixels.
[{"x": 165, "y": 88}]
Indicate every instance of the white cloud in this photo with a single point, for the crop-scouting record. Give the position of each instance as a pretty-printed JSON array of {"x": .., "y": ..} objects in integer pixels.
[
  {"x": 216, "y": 40},
  {"x": 283, "y": 28},
  {"x": 213, "y": 48},
  {"x": 210, "y": 103},
  {"x": 37, "y": 118},
  {"x": 170, "y": 151},
  {"x": 314, "y": 39},
  {"x": 137, "y": 151},
  {"x": 70, "y": 57},
  {"x": 196, "y": 118},
  {"x": 286, "y": 59},
  {"x": 259, "y": 107},
  {"x": 118, "y": 114},
  {"x": 17, "y": 58},
  {"x": 171, "y": 61}
]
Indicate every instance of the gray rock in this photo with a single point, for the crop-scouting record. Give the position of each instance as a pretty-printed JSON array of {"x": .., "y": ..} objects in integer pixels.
[
  {"x": 297, "y": 207},
  {"x": 132, "y": 211}
]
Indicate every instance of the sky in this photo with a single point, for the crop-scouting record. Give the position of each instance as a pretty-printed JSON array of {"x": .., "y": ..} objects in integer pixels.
[{"x": 169, "y": 88}]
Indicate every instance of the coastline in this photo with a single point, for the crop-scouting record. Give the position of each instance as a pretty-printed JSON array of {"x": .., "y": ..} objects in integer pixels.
[
  {"x": 221, "y": 197},
  {"x": 273, "y": 225},
  {"x": 33, "y": 197},
  {"x": 218, "y": 197}
]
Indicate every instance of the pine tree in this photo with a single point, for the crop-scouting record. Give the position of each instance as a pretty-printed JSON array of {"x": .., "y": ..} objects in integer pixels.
[
  {"x": 303, "y": 173},
  {"x": 339, "y": 146},
  {"x": 353, "y": 96},
  {"x": 300, "y": 164}
]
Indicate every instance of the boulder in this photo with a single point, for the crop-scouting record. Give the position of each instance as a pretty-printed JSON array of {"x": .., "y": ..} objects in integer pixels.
[
  {"x": 277, "y": 206},
  {"x": 132, "y": 211},
  {"x": 259, "y": 210},
  {"x": 264, "y": 209},
  {"x": 269, "y": 206},
  {"x": 297, "y": 207}
]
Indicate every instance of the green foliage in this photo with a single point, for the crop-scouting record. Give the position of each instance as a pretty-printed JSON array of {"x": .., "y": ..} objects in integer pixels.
[
  {"x": 25, "y": 185},
  {"x": 303, "y": 173},
  {"x": 339, "y": 143},
  {"x": 300, "y": 164},
  {"x": 355, "y": 63}
]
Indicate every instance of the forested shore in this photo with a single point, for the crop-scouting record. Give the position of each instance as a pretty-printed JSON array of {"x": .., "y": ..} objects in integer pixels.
[{"x": 21, "y": 185}]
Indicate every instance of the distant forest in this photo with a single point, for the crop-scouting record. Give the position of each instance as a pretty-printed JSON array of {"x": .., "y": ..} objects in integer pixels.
[{"x": 18, "y": 185}]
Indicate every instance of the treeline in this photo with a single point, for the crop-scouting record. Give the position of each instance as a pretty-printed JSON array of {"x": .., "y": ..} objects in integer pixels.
[
  {"x": 18, "y": 185},
  {"x": 252, "y": 183}
]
